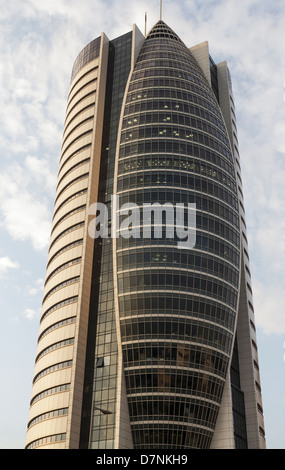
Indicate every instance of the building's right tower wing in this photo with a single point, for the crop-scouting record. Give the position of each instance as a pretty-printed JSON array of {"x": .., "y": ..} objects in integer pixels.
[{"x": 246, "y": 344}]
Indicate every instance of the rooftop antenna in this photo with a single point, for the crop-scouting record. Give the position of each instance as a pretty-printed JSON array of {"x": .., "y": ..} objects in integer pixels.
[
  {"x": 145, "y": 21},
  {"x": 160, "y": 12}
]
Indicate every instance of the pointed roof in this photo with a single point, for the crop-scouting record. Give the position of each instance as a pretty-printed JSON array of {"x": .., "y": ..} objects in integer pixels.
[{"x": 162, "y": 30}]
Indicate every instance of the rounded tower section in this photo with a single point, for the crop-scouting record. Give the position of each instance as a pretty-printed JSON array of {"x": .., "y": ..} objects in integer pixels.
[
  {"x": 177, "y": 306},
  {"x": 55, "y": 382}
]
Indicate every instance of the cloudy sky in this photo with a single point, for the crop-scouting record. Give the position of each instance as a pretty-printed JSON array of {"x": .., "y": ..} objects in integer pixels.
[{"x": 39, "y": 41}]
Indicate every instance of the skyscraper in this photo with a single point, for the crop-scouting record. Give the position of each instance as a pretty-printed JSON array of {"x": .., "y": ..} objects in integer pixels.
[{"x": 145, "y": 342}]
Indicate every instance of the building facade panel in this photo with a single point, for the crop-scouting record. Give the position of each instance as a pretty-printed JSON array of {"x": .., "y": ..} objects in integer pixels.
[
  {"x": 73, "y": 191},
  {"x": 55, "y": 338},
  {"x": 71, "y": 273}
]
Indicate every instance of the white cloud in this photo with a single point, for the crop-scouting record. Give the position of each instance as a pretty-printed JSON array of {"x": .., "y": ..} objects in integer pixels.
[
  {"x": 278, "y": 134},
  {"x": 30, "y": 314},
  {"x": 269, "y": 307},
  {"x": 40, "y": 171},
  {"x": 39, "y": 287},
  {"x": 27, "y": 219},
  {"x": 40, "y": 283},
  {"x": 25, "y": 209},
  {"x": 6, "y": 263},
  {"x": 32, "y": 291}
]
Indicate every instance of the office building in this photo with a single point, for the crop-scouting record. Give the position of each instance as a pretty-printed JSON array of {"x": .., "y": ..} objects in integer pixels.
[{"x": 144, "y": 343}]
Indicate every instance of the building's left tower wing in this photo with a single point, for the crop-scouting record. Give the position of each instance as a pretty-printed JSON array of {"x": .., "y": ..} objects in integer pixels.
[{"x": 56, "y": 402}]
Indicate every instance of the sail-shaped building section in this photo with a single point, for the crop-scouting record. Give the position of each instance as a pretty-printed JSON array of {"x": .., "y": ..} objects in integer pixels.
[{"x": 145, "y": 343}]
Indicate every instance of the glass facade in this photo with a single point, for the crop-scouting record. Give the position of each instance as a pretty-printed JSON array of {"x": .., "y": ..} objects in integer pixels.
[
  {"x": 90, "y": 52},
  {"x": 239, "y": 417},
  {"x": 177, "y": 307},
  {"x": 99, "y": 403}
]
